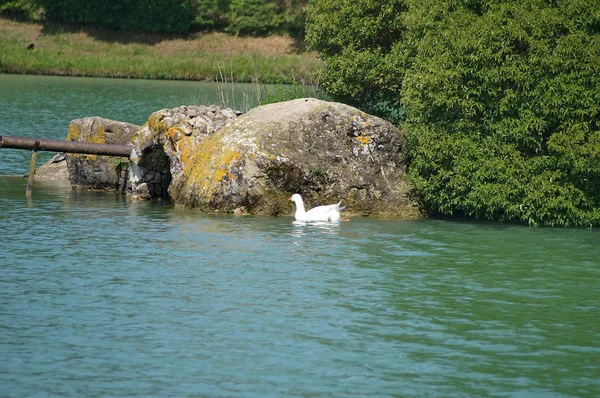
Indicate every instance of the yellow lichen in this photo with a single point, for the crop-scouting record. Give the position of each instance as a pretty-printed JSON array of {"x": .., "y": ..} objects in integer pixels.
[
  {"x": 156, "y": 124},
  {"x": 153, "y": 122},
  {"x": 175, "y": 133},
  {"x": 73, "y": 133},
  {"x": 186, "y": 147},
  {"x": 76, "y": 134},
  {"x": 136, "y": 135},
  {"x": 208, "y": 163},
  {"x": 363, "y": 139},
  {"x": 98, "y": 136}
]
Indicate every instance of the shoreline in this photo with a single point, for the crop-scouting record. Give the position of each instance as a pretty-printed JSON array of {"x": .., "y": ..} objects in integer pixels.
[{"x": 36, "y": 49}]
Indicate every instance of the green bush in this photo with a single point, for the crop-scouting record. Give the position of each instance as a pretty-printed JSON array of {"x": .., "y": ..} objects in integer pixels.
[
  {"x": 295, "y": 18},
  {"x": 502, "y": 98},
  {"x": 254, "y": 17},
  {"x": 357, "y": 39},
  {"x": 503, "y": 107},
  {"x": 20, "y": 9},
  {"x": 245, "y": 17},
  {"x": 211, "y": 14},
  {"x": 168, "y": 16}
]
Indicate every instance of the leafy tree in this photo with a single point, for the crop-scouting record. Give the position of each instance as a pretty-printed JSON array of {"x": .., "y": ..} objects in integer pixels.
[
  {"x": 254, "y": 17},
  {"x": 358, "y": 40},
  {"x": 170, "y": 16},
  {"x": 211, "y": 13},
  {"x": 295, "y": 17},
  {"x": 19, "y": 9},
  {"x": 502, "y": 98}
]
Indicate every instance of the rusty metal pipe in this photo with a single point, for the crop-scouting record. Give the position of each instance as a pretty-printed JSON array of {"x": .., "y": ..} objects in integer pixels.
[{"x": 88, "y": 148}]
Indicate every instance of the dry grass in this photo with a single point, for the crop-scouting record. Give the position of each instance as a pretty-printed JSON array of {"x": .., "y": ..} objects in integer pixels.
[
  {"x": 220, "y": 43},
  {"x": 214, "y": 42},
  {"x": 199, "y": 56}
]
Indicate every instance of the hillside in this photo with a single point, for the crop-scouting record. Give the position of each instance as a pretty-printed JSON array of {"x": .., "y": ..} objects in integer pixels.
[{"x": 59, "y": 50}]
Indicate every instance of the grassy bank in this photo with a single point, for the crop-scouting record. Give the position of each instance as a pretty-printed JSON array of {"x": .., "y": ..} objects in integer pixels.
[{"x": 201, "y": 56}]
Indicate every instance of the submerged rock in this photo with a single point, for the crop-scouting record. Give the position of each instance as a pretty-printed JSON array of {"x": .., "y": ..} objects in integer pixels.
[{"x": 326, "y": 151}]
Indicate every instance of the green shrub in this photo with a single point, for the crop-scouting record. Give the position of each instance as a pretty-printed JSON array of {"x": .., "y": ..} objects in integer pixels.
[
  {"x": 502, "y": 98},
  {"x": 357, "y": 39},
  {"x": 211, "y": 14},
  {"x": 295, "y": 18},
  {"x": 20, "y": 9},
  {"x": 503, "y": 107},
  {"x": 168, "y": 16},
  {"x": 254, "y": 17}
]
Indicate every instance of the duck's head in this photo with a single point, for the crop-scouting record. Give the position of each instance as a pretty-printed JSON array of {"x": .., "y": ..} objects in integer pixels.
[{"x": 296, "y": 198}]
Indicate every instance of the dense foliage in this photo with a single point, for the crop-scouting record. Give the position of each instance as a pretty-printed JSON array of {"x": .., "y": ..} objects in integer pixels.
[
  {"x": 19, "y": 9},
  {"x": 254, "y": 16},
  {"x": 244, "y": 17},
  {"x": 140, "y": 15},
  {"x": 502, "y": 98},
  {"x": 211, "y": 13},
  {"x": 357, "y": 40}
]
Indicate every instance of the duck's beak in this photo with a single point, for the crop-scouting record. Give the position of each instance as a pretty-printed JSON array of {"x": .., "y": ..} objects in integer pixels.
[{"x": 290, "y": 198}]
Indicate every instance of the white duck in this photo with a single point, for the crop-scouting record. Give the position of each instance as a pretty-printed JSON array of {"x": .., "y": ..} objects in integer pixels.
[{"x": 319, "y": 213}]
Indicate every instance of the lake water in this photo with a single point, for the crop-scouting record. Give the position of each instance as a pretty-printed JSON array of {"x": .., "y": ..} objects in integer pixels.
[{"x": 102, "y": 296}]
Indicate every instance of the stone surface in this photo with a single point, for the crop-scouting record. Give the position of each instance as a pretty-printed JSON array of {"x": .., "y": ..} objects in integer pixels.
[
  {"x": 93, "y": 171},
  {"x": 161, "y": 146},
  {"x": 52, "y": 170},
  {"x": 325, "y": 151}
]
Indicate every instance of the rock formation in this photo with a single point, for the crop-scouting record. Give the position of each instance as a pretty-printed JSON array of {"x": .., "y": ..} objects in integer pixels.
[
  {"x": 54, "y": 169},
  {"x": 93, "y": 171},
  {"x": 326, "y": 151},
  {"x": 217, "y": 160},
  {"x": 165, "y": 147}
]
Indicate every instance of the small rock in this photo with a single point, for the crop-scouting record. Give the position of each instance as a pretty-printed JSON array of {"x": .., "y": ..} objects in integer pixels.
[
  {"x": 149, "y": 177},
  {"x": 143, "y": 191},
  {"x": 228, "y": 113},
  {"x": 168, "y": 122}
]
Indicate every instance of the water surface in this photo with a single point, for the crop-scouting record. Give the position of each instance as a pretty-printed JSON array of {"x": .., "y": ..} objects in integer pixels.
[
  {"x": 103, "y": 296},
  {"x": 43, "y": 106}
]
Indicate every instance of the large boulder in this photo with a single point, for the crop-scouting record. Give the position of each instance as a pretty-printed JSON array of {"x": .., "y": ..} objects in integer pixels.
[
  {"x": 94, "y": 171},
  {"x": 164, "y": 147},
  {"x": 325, "y": 151}
]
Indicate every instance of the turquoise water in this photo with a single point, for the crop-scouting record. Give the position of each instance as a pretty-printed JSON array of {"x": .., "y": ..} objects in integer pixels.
[
  {"x": 103, "y": 296},
  {"x": 43, "y": 106}
]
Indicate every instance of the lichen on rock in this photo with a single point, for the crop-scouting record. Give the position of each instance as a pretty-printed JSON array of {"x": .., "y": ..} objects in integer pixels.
[
  {"x": 93, "y": 171},
  {"x": 326, "y": 151},
  {"x": 174, "y": 139}
]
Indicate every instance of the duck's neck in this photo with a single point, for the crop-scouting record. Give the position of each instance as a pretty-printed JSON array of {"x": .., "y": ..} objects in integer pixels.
[{"x": 300, "y": 209}]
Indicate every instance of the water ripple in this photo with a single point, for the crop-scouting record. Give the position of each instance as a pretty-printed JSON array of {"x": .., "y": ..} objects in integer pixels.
[{"x": 101, "y": 296}]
